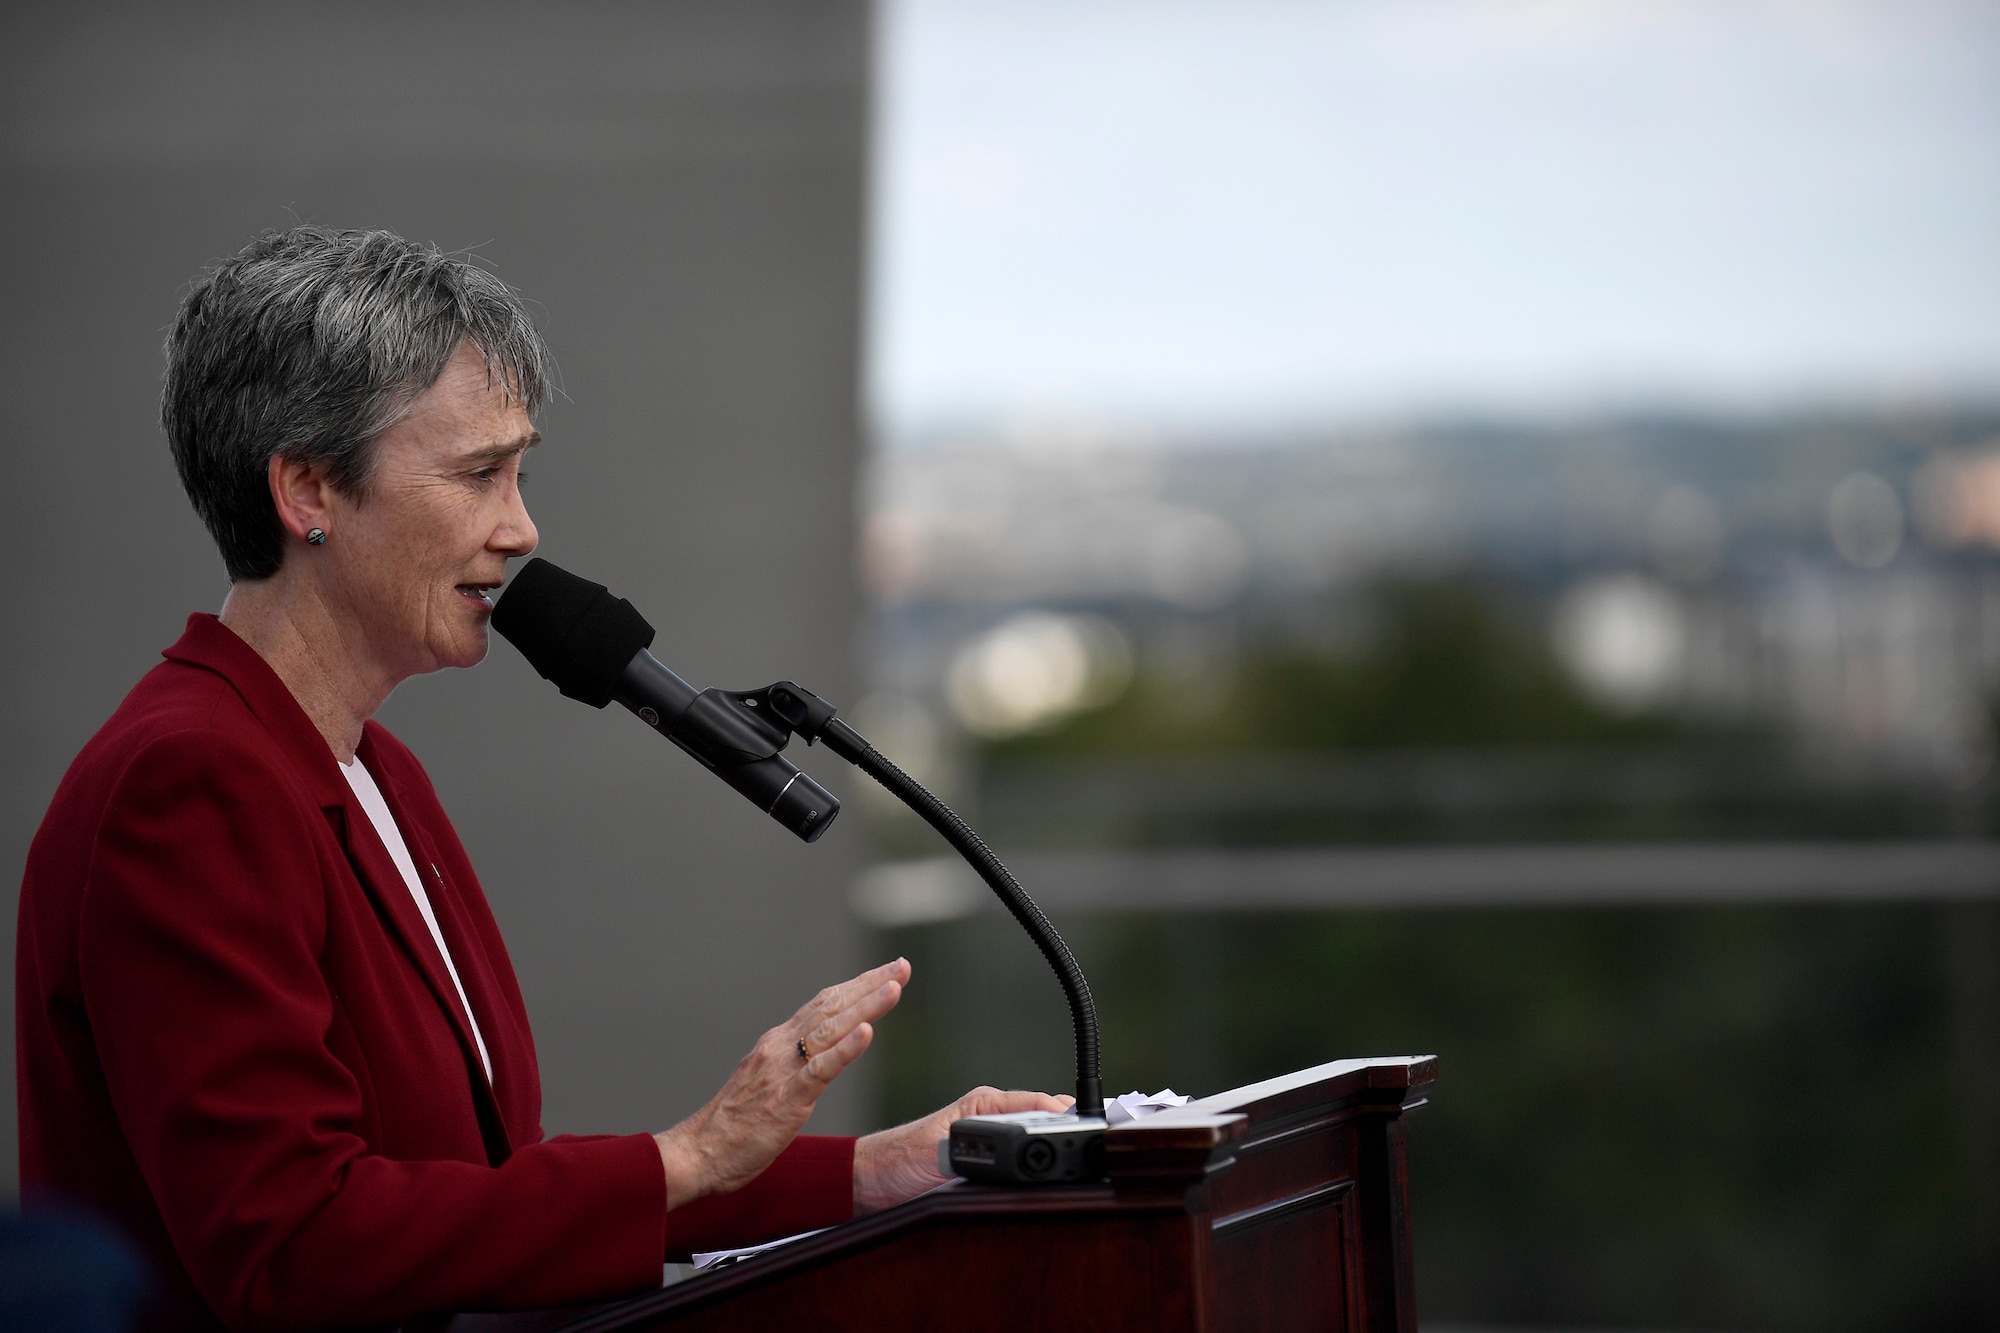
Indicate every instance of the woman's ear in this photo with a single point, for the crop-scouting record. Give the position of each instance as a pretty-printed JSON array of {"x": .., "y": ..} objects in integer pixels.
[{"x": 302, "y": 495}]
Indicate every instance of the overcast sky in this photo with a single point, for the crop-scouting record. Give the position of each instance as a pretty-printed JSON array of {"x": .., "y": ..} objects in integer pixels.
[{"x": 1190, "y": 211}]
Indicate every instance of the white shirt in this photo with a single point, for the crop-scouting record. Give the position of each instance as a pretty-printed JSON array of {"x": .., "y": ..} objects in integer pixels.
[{"x": 370, "y": 796}]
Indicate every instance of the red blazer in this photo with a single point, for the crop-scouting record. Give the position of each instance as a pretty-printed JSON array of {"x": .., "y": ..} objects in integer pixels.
[{"x": 237, "y": 1038}]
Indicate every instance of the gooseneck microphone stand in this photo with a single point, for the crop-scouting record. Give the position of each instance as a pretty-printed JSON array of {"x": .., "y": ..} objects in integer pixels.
[
  {"x": 592, "y": 646},
  {"x": 792, "y": 709}
]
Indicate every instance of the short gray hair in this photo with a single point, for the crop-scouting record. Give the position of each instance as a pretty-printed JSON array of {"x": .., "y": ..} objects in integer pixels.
[{"x": 310, "y": 343}]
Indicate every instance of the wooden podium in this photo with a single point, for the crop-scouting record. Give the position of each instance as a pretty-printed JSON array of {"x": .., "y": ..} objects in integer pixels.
[{"x": 1281, "y": 1205}]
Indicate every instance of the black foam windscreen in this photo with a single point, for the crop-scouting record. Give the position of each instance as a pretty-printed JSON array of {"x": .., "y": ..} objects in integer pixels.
[{"x": 572, "y": 631}]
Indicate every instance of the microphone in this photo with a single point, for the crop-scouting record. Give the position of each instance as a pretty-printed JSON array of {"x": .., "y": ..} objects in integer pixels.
[{"x": 592, "y": 646}]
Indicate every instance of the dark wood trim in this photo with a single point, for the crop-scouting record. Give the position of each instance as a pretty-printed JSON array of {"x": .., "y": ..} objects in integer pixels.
[
  {"x": 959, "y": 1199},
  {"x": 1176, "y": 1155},
  {"x": 1305, "y": 1201}
]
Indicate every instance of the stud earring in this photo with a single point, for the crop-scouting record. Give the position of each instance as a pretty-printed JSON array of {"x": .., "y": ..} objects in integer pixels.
[{"x": 317, "y": 536}]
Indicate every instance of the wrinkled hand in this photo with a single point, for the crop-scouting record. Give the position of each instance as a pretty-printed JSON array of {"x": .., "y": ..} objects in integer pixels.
[
  {"x": 901, "y": 1163},
  {"x": 726, "y": 1144}
]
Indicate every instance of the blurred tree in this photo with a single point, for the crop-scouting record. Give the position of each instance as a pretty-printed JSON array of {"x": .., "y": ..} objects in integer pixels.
[
  {"x": 1443, "y": 663},
  {"x": 1758, "y": 1116}
]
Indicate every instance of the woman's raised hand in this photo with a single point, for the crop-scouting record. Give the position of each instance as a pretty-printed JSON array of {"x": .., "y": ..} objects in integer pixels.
[{"x": 762, "y": 1107}]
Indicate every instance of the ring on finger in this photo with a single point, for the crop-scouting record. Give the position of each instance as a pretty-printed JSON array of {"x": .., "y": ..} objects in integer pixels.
[{"x": 804, "y": 1054}]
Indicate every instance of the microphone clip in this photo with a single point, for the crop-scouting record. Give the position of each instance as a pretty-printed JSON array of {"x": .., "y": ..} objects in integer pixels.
[
  {"x": 800, "y": 712},
  {"x": 792, "y": 707}
]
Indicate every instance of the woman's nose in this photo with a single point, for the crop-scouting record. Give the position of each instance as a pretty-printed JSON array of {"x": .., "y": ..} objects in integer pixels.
[{"x": 516, "y": 534}]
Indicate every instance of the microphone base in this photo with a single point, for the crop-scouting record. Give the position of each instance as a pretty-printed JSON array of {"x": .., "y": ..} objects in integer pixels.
[{"x": 1026, "y": 1148}]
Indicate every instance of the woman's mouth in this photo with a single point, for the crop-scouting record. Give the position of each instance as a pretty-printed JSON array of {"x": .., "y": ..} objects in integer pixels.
[{"x": 477, "y": 592}]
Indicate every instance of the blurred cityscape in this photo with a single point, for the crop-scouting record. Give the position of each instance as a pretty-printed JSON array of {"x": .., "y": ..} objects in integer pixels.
[
  {"x": 1667, "y": 627},
  {"x": 1644, "y": 769}
]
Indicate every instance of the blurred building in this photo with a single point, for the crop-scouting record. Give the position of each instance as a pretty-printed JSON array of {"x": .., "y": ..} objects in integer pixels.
[
  {"x": 1830, "y": 579},
  {"x": 679, "y": 190}
]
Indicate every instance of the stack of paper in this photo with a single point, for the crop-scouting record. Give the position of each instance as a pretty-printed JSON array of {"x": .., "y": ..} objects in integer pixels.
[{"x": 1137, "y": 1105}]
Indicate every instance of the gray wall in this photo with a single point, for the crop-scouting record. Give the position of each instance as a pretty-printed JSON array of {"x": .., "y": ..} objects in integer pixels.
[{"x": 679, "y": 188}]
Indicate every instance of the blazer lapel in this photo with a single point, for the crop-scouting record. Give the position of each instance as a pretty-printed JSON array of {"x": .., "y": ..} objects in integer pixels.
[
  {"x": 384, "y": 883},
  {"x": 210, "y": 644}
]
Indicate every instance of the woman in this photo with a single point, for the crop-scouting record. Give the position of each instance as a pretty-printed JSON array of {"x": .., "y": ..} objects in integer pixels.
[{"x": 266, "y": 1019}]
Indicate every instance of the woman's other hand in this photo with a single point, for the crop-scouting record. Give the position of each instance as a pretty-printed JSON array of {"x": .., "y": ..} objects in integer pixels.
[
  {"x": 726, "y": 1144},
  {"x": 901, "y": 1163}
]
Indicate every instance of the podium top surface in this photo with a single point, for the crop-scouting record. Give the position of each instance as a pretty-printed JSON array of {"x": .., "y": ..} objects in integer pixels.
[{"x": 1365, "y": 1077}]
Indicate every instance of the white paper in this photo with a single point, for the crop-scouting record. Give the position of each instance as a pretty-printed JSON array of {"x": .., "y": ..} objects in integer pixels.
[
  {"x": 1137, "y": 1105},
  {"x": 714, "y": 1257}
]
